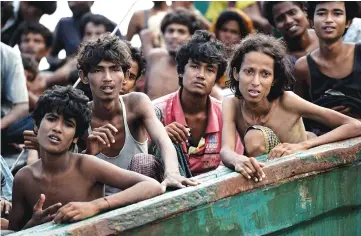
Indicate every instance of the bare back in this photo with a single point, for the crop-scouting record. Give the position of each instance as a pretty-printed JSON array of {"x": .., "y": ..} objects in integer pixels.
[{"x": 286, "y": 124}]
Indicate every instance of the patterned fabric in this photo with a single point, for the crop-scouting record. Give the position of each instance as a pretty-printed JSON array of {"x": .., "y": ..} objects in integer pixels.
[
  {"x": 147, "y": 165},
  {"x": 270, "y": 137}
]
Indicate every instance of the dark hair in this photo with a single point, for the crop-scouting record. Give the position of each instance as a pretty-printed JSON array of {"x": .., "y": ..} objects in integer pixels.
[
  {"x": 272, "y": 47},
  {"x": 202, "y": 47},
  {"x": 96, "y": 19},
  {"x": 138, "y": 57},
  {"x": 108, "y": 48},
  {"x": 66, "y": 101},
  {"x": 183, "y": 17},
  {"x": 32, "y": 27},
  {"x": 244, "y": 22},
  {"x": 30, "y": 65},
  {"x": 351, "y": 8},
  {"x": 268, "y": 9}
]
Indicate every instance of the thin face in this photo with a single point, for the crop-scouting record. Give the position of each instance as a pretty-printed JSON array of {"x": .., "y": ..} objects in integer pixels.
[
  {"x": 175, "y": 35},
  {"x": 105, "y": 80},
  {"x": 255, "y": 76},
  {"x": 56, "y": 134},
  {"x": 229, "y": 33},
  {"x": 33, "y": 45},
  {"x": 129, "y": 81},
  {"x": 92, "y": 31},
  {"x": 199, "y": 77},
  {"x": 330, "y": 20},
  {"x": 289, "y": 19}
]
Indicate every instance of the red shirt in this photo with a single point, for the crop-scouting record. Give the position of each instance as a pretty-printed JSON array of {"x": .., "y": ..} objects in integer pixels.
[{"x": 206, "y": 156}]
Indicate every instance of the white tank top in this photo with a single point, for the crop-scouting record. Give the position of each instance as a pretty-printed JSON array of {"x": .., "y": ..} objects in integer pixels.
[{"x": 131, "y": 147}]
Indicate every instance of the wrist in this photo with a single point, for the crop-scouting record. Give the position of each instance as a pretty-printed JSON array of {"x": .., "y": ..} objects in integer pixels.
[
  {"x": 306, "y": 144},
  {"x": 100, "y": 205}
]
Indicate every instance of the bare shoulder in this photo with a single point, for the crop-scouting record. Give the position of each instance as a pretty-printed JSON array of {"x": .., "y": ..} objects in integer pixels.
[
  {"x": 289, "y": 100},
  {"x": 302, "y": 70},
  {"x": 26, "y": 174},
  {"x": 134, "y": 99},
  {"x": 230, "y": 106}
]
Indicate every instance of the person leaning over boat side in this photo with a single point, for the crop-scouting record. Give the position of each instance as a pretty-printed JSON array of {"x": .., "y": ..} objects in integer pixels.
[
  {"x": 265, "y": 115},
  {"x": 61, "y": 116}
]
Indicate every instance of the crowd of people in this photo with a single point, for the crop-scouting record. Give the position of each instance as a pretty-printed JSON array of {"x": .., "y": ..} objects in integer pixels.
[{"x": 261, "y": 78}]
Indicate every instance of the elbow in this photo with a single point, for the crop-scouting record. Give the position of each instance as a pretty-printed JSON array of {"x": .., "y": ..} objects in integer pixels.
[
  {"x": 156, "y": 187},
  {"x": 356, "y": 126}
]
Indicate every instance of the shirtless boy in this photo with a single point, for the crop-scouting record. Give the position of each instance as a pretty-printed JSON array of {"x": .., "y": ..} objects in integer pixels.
[
  {"x": 61, "y": 117},
  {"x": 290, "y": 19},
  {"x": 161, "y": 74},
  {"x": 268, "y": 117},
  {"x": 335, "y": 66}
]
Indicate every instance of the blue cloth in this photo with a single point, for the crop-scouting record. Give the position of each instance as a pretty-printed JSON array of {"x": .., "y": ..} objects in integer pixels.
[{"x": 6, "y": 181}]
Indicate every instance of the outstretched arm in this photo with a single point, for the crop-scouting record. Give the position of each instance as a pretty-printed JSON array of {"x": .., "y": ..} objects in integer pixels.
[
  {"x": 135, "y": 187},
  {"x": 160, "y": 137},
  {"x": 248, "y": 167}
]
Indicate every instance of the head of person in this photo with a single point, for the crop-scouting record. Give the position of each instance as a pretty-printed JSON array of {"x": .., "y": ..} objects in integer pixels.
[
  {"x": 34, "y": 39},
  {"x": 290, "y": 18},
  {"x": 7, "y": 11},
  {"x": 231, "y": 26},
  {"x": 103, "y": 63},
  {"x": 136, "y": 70},
  {"x": 61, "y": 116},
  {"x": 201, "y": 62},
  {"x": 30, "y": 68},
  {"x": 79, "y": 8},
  {"x": 33, "y": 10},
  {"x": 93, "y": 25},
  {"x": 331, "y": 19},
  {"x": 259, "y": 69},
  {"x": 177, "y": 27}
]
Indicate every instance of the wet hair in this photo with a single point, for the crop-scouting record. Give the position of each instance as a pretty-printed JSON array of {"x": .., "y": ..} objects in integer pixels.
[
  {"x": 351, "y": 7},
  {"x": 138, "y": 57},
  {"x": 183, "y": 17},
  {"x": 28, "y": 27},
  {"x": 66, "y": 101},
  {"x": 108, "y": 48},
  {"x": 96, "y": 19},
  {"x": 244, "y": 22},
  {"x": 268, "y": 9},
  {"x": 202, "y": 47},
  {"x": 30, "y": 65},
  {"x": 283, "y": 78}
]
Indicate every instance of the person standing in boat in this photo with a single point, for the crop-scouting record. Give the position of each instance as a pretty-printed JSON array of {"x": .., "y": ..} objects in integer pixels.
[{"x": 265, "y": 114}]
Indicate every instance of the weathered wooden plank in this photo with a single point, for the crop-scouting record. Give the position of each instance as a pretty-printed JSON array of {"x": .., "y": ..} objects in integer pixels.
[{"x": 171, "y": 210}]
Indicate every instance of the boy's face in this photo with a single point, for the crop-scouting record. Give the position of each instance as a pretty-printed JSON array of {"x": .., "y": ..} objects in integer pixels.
[
  {"x": 92, "y": 31},
  {"x": 330, "y": 20},
  {"x": 255, "y": 76},
  {"x": 175, "y": 35},
  {"x": 289, "y": 19},
  {"x": 105, "y": 80},
  {"x": 229, "y": 33},
  {"x": 199, "y": 77},
  {"x": 33, "y": 45},
  {"x": 55, "y": 133},
  {"x": 129, "y": 81}
]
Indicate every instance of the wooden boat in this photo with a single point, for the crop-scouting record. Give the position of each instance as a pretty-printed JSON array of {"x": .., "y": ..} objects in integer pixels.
[{"x": 316, "y": 192}]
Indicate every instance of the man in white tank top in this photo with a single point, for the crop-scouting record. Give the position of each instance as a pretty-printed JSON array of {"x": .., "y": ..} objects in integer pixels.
[{"x": 119, "y": 125}]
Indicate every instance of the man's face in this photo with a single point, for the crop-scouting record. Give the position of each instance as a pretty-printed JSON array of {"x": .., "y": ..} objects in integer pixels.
[
  {"x": 290, "y": 19},
  {"x": 255, "y": 76},
  {"x": 229, "y": 33},
  {"x": 33, "y": 45},
  {"x": 175, "y": 35},
  {"x": 92, "y": 31},
  {"x": 56, "y": 134},
  {"x": 129, "y": 81},
  {"x": 199, "y": 77},
  {"x": 105, "y": 81},
  {"x": 330, "y": 20},
  {"x": 29, "y": 12}
]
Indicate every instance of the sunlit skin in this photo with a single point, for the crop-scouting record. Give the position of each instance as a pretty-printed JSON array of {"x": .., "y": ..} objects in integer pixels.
[
  {"x": 229, "y": 33},
  {"x": 33, "y": 45},
  {"x": 129, "y": 81}
]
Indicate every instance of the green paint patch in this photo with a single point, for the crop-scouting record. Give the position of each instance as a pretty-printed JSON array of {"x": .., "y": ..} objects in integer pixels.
[
  {"x": 285, "y": 166},
  {"x": 358, "y": 156},
  {"x": 262, "y": 158},
  {"x": 330, "y": 159}
]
